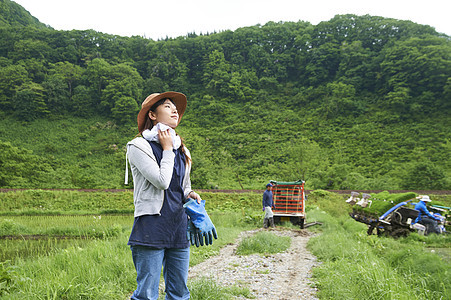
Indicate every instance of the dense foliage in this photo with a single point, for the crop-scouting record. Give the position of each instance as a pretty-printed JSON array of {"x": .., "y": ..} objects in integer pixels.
[{"x": 356, "y": 102}]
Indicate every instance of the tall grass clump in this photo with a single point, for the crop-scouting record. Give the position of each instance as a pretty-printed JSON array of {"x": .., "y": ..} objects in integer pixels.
[{"x": 263, "y": 243}]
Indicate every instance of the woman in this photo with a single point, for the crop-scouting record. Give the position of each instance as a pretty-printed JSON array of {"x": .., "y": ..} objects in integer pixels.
[{"x": 160, "y": 165}]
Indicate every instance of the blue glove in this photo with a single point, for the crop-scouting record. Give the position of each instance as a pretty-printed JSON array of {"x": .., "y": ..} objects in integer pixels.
[
  {"x": 263, "y": 209},
  {"x": 193, "y": 234},
  {"x": 201, "y": 221}
]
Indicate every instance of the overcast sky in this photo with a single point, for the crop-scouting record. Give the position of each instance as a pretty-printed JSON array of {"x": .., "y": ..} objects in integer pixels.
[{"x": 173, "y": 18}]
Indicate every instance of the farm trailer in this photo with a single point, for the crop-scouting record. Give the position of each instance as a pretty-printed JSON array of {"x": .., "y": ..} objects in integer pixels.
[{"x": 289, "y": 200}]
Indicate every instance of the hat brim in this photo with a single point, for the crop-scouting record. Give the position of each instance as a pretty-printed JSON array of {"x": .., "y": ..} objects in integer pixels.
[{"x": 179, "y": 100}]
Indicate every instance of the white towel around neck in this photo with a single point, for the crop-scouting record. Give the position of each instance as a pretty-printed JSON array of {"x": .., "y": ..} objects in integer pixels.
[{"x": 152, "y": 135}]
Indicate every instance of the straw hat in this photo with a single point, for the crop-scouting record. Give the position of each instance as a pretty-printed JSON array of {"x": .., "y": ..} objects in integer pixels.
[{"x": 179, "y": 100}]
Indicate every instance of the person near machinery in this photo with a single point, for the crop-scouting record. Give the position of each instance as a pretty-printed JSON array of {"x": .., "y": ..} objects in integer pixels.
[
  {"x": 268, "y": 205},
  {"x": 425, "y": 217}
]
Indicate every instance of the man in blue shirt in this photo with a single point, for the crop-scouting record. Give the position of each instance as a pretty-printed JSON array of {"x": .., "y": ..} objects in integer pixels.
[
  {"x": 425, "y": 217},
  {"x": 268, "y": 204}
]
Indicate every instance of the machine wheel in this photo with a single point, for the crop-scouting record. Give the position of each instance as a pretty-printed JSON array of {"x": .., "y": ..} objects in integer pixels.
[
  {"x": 397, "y": 217},
  {"x": 297, "y": 221},
  {"x": 301, "y": 223}
]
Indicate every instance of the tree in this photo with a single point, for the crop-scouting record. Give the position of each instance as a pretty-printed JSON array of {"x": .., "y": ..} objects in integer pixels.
[
  {"x": 421, "y": 64},
  {"x": 69, "y": 72},
  {"x": 36, "y": 68},
  {"x": 357, "y": 66},
  {"x": 399, "y": 99},
  {"x": 83, "y": 104},
  {"x": 306, "y": 158},
  {"x": 425, "y": 175},
  {"x": 322, "y": 63},
  {"x": 125, "y": 109},
  {"x": 57, "y": 94},
  {"x": 29, "y": 103},
  {"x": 217, "y": 73},
  {"x": 166, "y": 65},
  {"x": 11, "y": 77},
  {"x": 30, "y": 48},
  {"x": 123, "y": 81},
  {"x": 97, "y": 74},
  {"x": 339, "y": 99}
]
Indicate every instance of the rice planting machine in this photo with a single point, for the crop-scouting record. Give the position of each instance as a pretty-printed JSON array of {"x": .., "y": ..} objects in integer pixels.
[{"x": 392, "y": 215}]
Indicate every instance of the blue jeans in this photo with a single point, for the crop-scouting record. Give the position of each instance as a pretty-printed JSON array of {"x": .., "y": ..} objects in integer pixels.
[
  {"x": 148, "y": 262},
  {"x": 431, "y": 225}
]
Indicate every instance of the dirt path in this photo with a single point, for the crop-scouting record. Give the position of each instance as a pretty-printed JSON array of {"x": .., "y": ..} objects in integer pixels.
[{"x": 278, "y": 276}]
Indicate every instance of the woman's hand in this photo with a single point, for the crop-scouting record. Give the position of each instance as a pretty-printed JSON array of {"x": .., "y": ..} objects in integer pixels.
[
  {"x": 195, "y": 196},
  {"x": 165, "y": 139}
]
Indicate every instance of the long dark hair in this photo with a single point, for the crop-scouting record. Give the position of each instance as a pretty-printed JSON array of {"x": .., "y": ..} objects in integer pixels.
[{"x": 148, "y": 124}]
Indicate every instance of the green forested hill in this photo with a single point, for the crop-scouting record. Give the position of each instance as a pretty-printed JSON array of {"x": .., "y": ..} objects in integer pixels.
[
  {"x": 356, "y": 102},
  {"x": 13, "y": 14}
]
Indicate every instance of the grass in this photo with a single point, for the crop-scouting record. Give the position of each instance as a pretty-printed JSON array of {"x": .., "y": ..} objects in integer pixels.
[
  {"x": 14, "y": 249},
  {"x": 354, "y": 265},
  {"x": 101, "y": 268},
  {"x": 205, "y": 288},
  {"x": 68, "y": 202},
  {"x": 264, "y": 243},
  {"x": 40, "y": 235},
  {"x": 358, "y": 266},
  {"x": 65, "y": 225}
]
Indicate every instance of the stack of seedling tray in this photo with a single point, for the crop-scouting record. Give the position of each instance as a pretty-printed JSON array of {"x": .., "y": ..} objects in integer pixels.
[{"x": 381, "y": 203}]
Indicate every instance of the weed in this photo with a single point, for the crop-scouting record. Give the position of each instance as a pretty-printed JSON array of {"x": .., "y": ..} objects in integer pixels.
[
  {"x": 263, "y": 243},
  {"x": 206, "y": 288},
  {"x": 357, "y": 266}
]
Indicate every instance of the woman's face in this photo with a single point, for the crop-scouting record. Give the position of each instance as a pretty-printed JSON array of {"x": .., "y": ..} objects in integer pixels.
[{"x": 165, "y": 113}]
